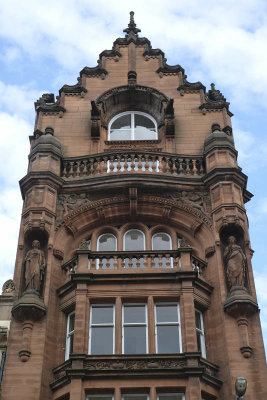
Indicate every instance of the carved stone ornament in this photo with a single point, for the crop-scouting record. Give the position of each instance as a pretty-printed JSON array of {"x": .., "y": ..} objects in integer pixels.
[
  {"x": 133, "y": 364},
  {"x": 68, "y": 203},
  {"x": 83, "y": 245},
  {"x": 8, "y": 287},
  {"x": 235, "y": 264},
  {"x": 34, "y": 267}
]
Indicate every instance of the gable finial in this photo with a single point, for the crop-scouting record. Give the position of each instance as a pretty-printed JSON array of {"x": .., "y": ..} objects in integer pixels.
[{"x": 132, "y": 30}]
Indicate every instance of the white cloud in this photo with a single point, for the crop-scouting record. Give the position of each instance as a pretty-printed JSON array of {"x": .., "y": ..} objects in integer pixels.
[{"x": 226, "y": 38}]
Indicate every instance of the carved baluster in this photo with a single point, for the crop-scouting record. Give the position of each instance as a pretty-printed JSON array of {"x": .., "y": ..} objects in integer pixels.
[
  {"x": 146, "y": 162},
  {"x": 132, "y": 165},
  {"x": 167, "y": 165},
  {"x": 119, "y": 163},
  {"x": 130, "y": 262},
  {"x": 153, "y": 261},
  {"x": 194, "y": 170},
  {"x": 160, "y": 262},
  {"x": 138, "y": 263},
  {"x": 139, "y": 164},
  {"x": 125, "y": 165},
  {"x": 168, "y": 261},
  {"x": 160, "y": 164},
  {"x": 153, "y": 163},
  {"x": 100, "y": 263},
  {"x": 111, "y": 164},
  {"x": 145, "y": 258},
  {"x": 71, "y": 172},
  {"x": 187, "y": 169},
  {"x": 114, "y": 262},
  {"x": 105, "y": 165}
]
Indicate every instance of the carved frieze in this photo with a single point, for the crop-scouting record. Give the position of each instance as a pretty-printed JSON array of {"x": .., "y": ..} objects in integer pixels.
[{"x": 145, "y": 364}]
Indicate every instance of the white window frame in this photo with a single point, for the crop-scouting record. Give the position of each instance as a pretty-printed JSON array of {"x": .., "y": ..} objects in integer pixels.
[
  {"x": 95, "y": 396},
  {"x": 134, "y": 324},
  {"x": 134, "y": 229},
  {"x": 202, "y": 334},
  {"x": 97, "y": 245},
  {"x": 170, "y": 394},
  {"x": 69, "y": 335},
  {"x": 102, "y": 325},
  {"x": 152, "y": 245},
  {"x": 178, "y": 324},
  {"x": 132, "y": 129},
  {"x": 135, "y": 395}
]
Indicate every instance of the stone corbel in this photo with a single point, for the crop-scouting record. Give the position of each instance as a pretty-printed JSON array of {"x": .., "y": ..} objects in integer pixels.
[
  {"x": 240, "y": 305},
  {"x": 27, "y": 310}
]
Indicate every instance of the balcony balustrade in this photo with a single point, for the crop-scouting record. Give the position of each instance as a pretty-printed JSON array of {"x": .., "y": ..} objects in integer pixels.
[
  {"x": 136, "y": 261},
  {"x": 131, "y": 162}
]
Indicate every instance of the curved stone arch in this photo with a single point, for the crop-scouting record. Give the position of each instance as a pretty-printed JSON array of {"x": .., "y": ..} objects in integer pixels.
[
  {"x": 136, "y": 98},
  {"x": 190, "y": 223}
]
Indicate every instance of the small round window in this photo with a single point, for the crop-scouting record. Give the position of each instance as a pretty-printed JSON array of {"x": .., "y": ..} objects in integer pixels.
[{"x": 132, "y": 125}]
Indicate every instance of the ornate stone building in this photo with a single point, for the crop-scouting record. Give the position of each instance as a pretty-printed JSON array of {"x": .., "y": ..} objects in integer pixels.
[{"x": 133, "y": 269}]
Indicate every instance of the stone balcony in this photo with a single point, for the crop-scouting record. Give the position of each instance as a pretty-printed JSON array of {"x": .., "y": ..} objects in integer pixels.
[
  {"x": 135, "y": 261},
  {"x": 132, "y": 162}
]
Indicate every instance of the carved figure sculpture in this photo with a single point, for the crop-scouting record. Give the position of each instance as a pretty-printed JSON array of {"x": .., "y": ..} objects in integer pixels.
[
  {"x": 34, "y": 266},
  {"x": 235, "y": 261}
]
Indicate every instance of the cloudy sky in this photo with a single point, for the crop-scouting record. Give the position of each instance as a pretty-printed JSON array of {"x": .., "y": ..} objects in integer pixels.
[{"x": 45, "y": 44}]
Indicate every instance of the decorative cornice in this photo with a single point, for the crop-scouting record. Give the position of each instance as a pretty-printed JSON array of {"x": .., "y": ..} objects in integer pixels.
[
  {"x": 94, "y": 71},
  {"x": 170, "y": 69},
  {"x": 72, "y": 89},
  {"x": 191, "y": 86},
  {"x": 46, "y": 104},
  {"x": 214, "y": 100}
]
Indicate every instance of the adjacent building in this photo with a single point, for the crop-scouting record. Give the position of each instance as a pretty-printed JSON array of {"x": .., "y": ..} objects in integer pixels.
[{"x": 133, "y": 273}]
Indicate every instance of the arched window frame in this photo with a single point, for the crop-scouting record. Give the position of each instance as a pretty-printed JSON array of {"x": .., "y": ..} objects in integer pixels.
[
  {"x": 134, "y": 229},
  {"x": 132, "y": 129},
  {"x": 156, "y": 233},
  {"x": 106, "y": 233}
]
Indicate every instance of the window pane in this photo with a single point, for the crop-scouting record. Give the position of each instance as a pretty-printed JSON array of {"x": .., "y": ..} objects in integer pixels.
[
  {"x": 71, "y": 344},
  {"x": 107, "y": 242},
  {"x": 161, "y": 241},
  {"x": 102, "y": 340},
  {"x": 198, "y": 320},
  {"x": 120, "y": 134},
  {"x": 135, "y": 397},
  {"x": 199, "y": 347},
  {"x": 99, "y": 397},
  {"x": 71, "y": 322},
  {"x": 135, "y": 340},
  {"x": 142, "y": 121},
  {"x": 141, "y": 133},
  {"x": 171, "y": 396},
  {"x": 134, "y": 314},
  {"x": 168, "y": 339},
  {"x": 102, "y": 315},
  {"x": 134, "y": 240},
  {"x": 167, "y": 313},
  {"x": 123, "y": 122}
]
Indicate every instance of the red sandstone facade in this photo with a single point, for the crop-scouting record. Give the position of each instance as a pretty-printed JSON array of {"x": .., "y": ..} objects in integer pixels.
[{"x": 132, "y": 287}]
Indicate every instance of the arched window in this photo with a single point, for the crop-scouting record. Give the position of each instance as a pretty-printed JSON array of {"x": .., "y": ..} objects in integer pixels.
[
  {"x": 106, "y": 242},
  {"x": 162, "y": 241},
  {"x": 134, "y": 240},
  {"x": 132, "y": 125}
]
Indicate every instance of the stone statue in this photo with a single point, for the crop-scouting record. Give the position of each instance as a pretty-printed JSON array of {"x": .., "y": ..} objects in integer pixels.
[
  {"x": 34, "y": 267},
  {"x": 235, "y": 261}
]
